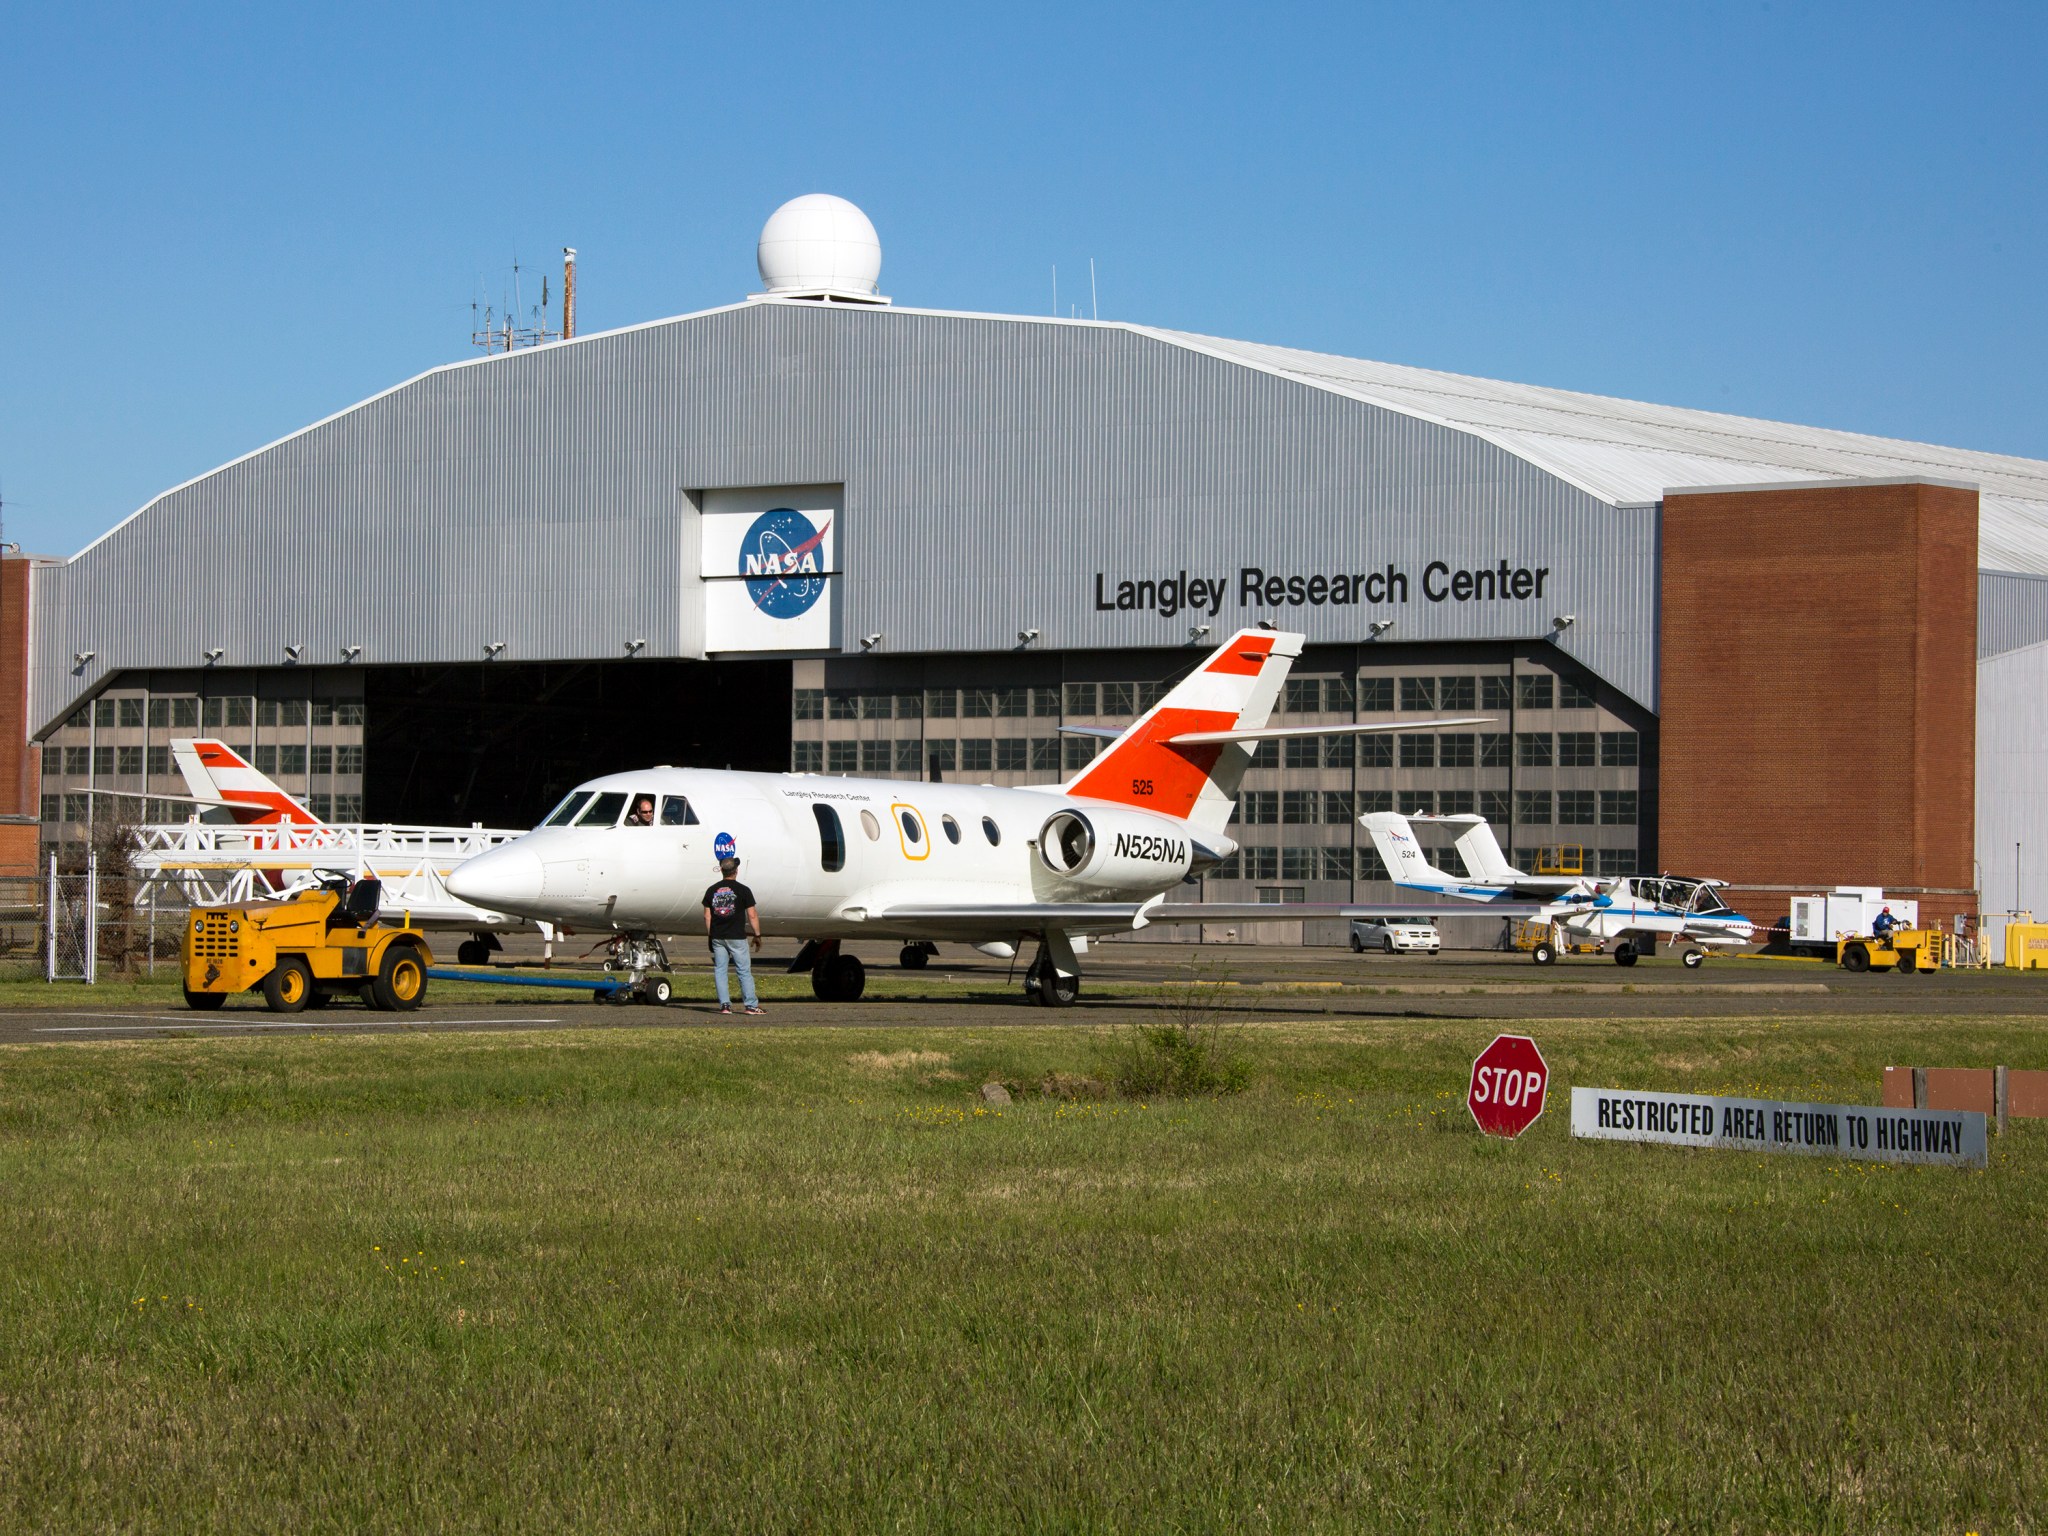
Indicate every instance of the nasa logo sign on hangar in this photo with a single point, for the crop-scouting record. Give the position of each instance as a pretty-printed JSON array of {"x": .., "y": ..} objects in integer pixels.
[{"x": 782, "y": 557}]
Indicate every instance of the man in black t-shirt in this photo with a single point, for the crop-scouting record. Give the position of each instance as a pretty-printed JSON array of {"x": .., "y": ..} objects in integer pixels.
[{"x": 732, "y": 922}]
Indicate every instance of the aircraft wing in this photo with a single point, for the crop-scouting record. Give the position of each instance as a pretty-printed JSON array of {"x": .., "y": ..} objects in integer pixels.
[
  {"x": 1354, "y": 728},
  {"x": 1003, "y": 921}
]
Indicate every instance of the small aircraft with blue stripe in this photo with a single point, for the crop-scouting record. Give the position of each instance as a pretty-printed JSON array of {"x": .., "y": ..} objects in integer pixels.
[{"x": 1627, "y": 915}]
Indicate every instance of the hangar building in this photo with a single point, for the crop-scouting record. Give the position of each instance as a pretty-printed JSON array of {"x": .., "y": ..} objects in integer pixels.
[{"x": 1707, "y": 643}]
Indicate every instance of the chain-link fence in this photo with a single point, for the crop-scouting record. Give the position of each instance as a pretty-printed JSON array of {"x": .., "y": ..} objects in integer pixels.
[{"x": 85, "y": 920}]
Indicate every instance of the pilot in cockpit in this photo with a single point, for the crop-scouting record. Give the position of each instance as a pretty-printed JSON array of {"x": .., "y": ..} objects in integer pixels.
[{"x": 642, "y": 814}]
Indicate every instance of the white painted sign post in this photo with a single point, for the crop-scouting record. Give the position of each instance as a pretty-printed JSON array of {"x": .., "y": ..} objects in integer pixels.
[{"x": 1861, "y": 1132}]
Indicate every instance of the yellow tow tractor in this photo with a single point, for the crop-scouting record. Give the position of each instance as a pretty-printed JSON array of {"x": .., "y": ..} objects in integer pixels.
[
  {"x": 304, "y": 949},
  {"x": 1906, "y": 951}
]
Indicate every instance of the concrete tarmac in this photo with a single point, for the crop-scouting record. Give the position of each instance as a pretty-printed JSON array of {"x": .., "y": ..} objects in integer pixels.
[{"x": 1250, "y": 984}]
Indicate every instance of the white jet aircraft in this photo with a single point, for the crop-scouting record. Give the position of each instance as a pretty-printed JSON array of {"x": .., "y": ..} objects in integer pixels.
[
  {"x": 832, "y": 859},
  {"x": 1631, "y": 912}
]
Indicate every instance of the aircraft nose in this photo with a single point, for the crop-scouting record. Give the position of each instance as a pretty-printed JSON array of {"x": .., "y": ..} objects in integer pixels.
[{"x": 504, "y": 880}]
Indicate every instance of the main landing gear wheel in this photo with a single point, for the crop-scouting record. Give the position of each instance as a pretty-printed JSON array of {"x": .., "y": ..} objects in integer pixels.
[
  {"x": 1543, "y": 953},
  {"x": 472, "y": 952},
  {"x": 1044, "y": 985},
  {"x": 1856, "y": 958},
  {"x": 1625, "y": 955},
  {"x": 289, "y": 986},
  {"x": 915, "y": 957},
  {"x": 1694, "y": 958},
  {"x": 840, "y": 979}
]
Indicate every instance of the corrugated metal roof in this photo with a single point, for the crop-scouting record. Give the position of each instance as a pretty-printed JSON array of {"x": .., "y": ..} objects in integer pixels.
[{"x": 1626, "y": 451}]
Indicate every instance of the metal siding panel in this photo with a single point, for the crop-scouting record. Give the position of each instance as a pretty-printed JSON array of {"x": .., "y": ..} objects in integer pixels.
[
  {"x": 2012, "y": 612},
  {"x": 992, "y": 467}
]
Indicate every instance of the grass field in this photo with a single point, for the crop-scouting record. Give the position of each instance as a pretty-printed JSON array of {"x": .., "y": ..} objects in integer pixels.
[{"x": 755, "y": 1280}]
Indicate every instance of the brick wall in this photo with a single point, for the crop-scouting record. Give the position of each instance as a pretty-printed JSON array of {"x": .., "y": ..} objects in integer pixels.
[
  {"x": 1818, "y": 691},
  {"x": 19, "y": 761}
]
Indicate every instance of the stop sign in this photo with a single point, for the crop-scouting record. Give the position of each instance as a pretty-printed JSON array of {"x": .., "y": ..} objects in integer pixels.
[{"x": 1508, "y": 1083}]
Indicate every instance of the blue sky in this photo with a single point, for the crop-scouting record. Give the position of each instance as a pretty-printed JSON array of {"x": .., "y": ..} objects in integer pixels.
[{"x": 219, "y": 224}]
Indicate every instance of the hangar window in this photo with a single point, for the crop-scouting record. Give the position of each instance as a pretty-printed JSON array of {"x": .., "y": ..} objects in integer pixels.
[
  {"x": 1454, "y": 802},
  {"x": 1337, "y": 807},
  {"x": 807, "y": 704},
  {"x": 53, "y": 762},
  {"x": 1532, "y": 749},
  {"x": 842, "y": 704},
  {"x": 1376, "y": 694},
  {"x": 991, "y": 831},
  {"x": 291, "y": 759},
  {"x": 1339, "y": 751},
  {"x": 1266, "y": 755},
  {"x": 907, "y": 753},
  {"x": 941, "y": 703},
  {"x": 321, "y": 761},
  {"x": 1575, "y": 749},
  {"x": 831, "y": 839},
  {"x": 909, "y": 706},
  {"x": 52, "y": 808},
  {"x": 174, "y": 714},
  {"x": 807, "y": 756},
  {"x": 1011, "y": 754},
  {"x": 1456, "y": 692},
  {"x": 1493, "y": 749},
  {"x": 321, "y": 711},
  {"x": 1013, "y": 701},
  {"x": 128, "y": 761},
  {"x": 1297, "y": 864},
  {"x": 103, "y": 762},
  {"x": 79, "y": 719},
  {"x": 1150, "y": 694},
  {"x": 226, "y": 712},
  {"x": 159, "y": 761},
  {"x": 877, "y": 706},
  {"x": 1375, "y": 751},
  {"x": 952, "y": 828},
  {"x": 1455, "y": 751},
  {"x": 1534, "y": 690},
  {"x": 103, "y": 712},
  {"x": 842, "y": 756},
  {"x": 1300, "y": 751},
  {"x": 348, "y": 807},
  {"x": 1080, "y": 751},
  {"x": 1618, "y": 749},
  {"x": 1259, "y": 807},
  {"x": 131, "y": 712},
  {"x": 1338, "y": 695},
  {"x": 1045, "y": 702},
  {"x": 78, "y": 761},
  {"x": 1304, "y": 695},
  {"x": 977, "y": 756},
  {"x": 1418, "y": 751},
  {"x": 1297, "y": 807},
  {"x": 1575, "y": 807},
  {"x": 1532, "y": 807},
  {"x": 1415, "y": 802},
  {"x": 676, "y": 812},
  {"x": 943, "y": 756},
  {"x": 977, "y": 703},
  {"x": 1496, "y": 693},
  {"x": 1261, "y": 864},
  {"x": 1119, "y": 699},
  {"x": 603, "y": 810},
  {"x": 348, "y": 759},
  {"x": 1374, "y": 801},
  {"x": 1493, "y": 805},
  {"x": 1617, "y": 861},
  {"x": 874, "y": 757},
  {"x": 1336, "y": 863},
  {"x": 321, "y": 806},
  {"x": 1081, "y": 699},
  {"x": 1045, "y": 754},
  {"x": 266, "y": 759},
  {"x": 78, "y": 807},
  {"x": 1617, "y": 807},
  {"x": 1572, "y": 694},
  {"x": 1418, "y": 693},
  {"x": 348, "y": 714}
]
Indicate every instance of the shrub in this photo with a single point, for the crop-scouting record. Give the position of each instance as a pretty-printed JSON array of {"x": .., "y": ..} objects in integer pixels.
[{"x": 1189, "y": 1052}]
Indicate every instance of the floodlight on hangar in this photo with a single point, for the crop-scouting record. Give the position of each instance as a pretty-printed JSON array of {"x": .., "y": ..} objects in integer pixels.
[{"x": 820, "y": 247}]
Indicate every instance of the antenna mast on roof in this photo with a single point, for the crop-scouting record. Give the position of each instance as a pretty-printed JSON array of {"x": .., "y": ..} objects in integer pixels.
[{"x": 519, "y": 325}]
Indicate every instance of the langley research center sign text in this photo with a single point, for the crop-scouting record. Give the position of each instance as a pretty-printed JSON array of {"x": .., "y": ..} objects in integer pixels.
[{"x": 1255, "y": 587}]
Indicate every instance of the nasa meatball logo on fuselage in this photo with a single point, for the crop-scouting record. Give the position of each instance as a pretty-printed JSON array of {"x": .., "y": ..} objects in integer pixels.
[{"x": 783, "y": 559}]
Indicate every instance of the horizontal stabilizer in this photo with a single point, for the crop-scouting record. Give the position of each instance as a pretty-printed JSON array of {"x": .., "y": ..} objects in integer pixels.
[{"x": 1352, "y": 728}]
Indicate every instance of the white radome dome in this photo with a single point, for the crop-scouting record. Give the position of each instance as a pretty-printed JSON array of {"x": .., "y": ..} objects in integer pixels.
[{"x": 819, "y": 243}]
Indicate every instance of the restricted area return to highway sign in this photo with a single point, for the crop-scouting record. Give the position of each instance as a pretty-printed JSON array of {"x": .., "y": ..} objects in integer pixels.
[{"x": 1953, "y": 1138}]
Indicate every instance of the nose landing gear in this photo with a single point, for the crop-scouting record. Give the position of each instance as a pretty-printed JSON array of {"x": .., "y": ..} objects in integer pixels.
[{"x": 636, "y": 954}]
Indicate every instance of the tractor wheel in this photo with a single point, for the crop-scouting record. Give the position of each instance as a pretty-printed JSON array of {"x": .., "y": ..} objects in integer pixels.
[
  {"x": 1907, "y": 963},
  {"x": 205, "y": 1002},
  {"x": 1543, "y": 953},
  {"x": 1626, "y": 955},
  {"x": 289, "y": 986},
  {"x": 1856, "y": 959},
  {"x": 401, "y": 983}
]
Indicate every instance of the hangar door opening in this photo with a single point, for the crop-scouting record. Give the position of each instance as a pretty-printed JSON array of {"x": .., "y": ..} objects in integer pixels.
[
  {"x": 501, "y": 742},
  {"x": 768, "y": 562}
]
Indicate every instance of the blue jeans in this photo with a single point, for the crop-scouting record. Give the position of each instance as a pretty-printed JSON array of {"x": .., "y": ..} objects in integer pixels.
[{"x": 735, "y": 951}]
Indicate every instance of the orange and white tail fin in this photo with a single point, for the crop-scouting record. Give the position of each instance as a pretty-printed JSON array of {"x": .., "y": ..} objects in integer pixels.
[
  {"x": 214, "y": 771},
  {"x": 1179, "y": 759}
]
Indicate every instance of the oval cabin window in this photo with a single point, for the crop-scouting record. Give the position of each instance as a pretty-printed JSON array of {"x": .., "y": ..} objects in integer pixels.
[
  {"x": 991, "y": 831},
  {"x": 912, "y": 832},
  {"x": 952, "y": 828},
  {"x": 872, "y": 827}
]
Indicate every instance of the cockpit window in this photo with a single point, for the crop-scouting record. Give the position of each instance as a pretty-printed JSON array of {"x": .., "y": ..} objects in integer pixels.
[
  {"x": 603, "y": 809},
  {"x": 676, "y": 812},
  {"x": 566, "y": 812},
  {"x": 641, "y": 812},
  {"x": 1708, "y": 900}
]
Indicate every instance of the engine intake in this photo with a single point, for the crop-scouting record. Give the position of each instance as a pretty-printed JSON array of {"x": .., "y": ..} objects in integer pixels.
[{"x": 1115, "y": 849}]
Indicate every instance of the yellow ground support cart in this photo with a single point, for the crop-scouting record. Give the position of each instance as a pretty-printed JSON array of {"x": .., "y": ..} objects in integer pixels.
[
  {"x": 1909, "y": 950},
  {"x": 303, "y": 950}
]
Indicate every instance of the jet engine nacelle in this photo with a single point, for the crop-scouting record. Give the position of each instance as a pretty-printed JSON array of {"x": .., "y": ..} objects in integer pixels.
[{"x": 1116, "y": 850}]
